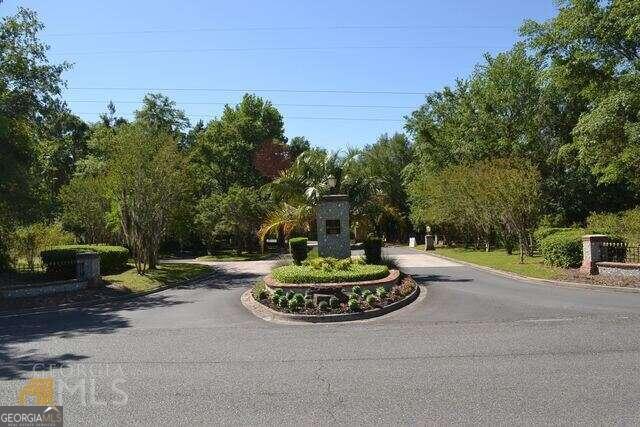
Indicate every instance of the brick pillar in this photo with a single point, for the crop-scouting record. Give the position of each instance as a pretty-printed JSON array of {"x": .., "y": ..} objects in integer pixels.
[
  {"x": 88, "y": 267},
  {"x": 592, "y": 252}
]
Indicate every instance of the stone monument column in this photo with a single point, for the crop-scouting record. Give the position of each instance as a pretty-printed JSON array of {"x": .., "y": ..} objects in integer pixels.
[{"x": 333, "y": 226}]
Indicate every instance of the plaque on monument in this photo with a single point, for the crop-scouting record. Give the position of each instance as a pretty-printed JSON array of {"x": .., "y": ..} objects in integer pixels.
[{"x": 333, "y": 226}]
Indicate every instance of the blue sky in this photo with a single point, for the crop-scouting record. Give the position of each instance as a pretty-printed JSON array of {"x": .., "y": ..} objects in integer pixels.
[{"x": 404, "y": 46}]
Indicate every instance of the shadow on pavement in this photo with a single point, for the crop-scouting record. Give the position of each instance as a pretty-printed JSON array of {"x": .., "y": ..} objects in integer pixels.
[{"x": 100, "y": 319}]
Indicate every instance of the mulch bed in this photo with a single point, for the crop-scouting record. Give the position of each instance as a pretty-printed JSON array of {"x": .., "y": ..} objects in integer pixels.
[{"x": 397, "y": 293}]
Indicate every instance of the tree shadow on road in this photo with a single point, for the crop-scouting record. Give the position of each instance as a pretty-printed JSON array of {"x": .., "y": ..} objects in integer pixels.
[{"x": 103, "y": 319}]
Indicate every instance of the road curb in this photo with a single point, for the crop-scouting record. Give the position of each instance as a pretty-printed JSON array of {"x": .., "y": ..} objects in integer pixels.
[
  {"x": 94, "y": 303},
  {"x": 546, "y": 282},
  {"x": 267, "y": 314}
]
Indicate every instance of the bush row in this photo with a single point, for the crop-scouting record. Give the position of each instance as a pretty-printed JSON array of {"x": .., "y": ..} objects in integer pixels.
[{"x": 113, "y": 259}]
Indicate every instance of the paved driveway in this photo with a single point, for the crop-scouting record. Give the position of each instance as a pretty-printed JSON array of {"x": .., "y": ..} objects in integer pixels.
[{"x": 479, "y": 349}]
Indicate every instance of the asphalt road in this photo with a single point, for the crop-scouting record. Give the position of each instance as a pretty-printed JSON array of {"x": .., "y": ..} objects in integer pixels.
[{"x": 479, "y": 349}]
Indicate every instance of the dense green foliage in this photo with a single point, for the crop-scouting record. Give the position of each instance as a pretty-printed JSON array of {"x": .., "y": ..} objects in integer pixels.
[
  {"x": 624, "y": 225},
  {"x": 298, "y": 249},
  {"x": 563, "y": 249},
  {"x": 308, "y": 274},
  {"x": 113, "y": 259}
]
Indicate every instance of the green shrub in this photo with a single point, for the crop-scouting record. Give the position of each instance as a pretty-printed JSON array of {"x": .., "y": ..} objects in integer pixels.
[
  {"x": 357, "y": 290},
  {"x": 371, "y": 299},
  {"x": 306, "y": 274},
  {"x": 283, "y": 302},
  {"x": 279, "y": 292},
  {"x": 275, "y": 298},
  {"x": 334, "y": 302},
  {"x": 354, "y": 296},
  {"x": 543, "y": 232},
  {"x": 309, "y": 303},
  {"x": 289, "y": 295},
  {"x": 323, "y": 306},
  {"x": 113, "y": 259},
  {"x": 27, "y": 242},
  {"x": 354, "y": 305},
  {"x": 381, "y": 292},
  {"x": 299, "y": 249},
  {"x": 373, "y": 250},
  {"x": 259, "y": 291},
  {"x": 563, "y": 249},
  {"x": 299, "y": 297},
  {"x": 295, "y": 304},
  {"x": 366, "y": 293}
]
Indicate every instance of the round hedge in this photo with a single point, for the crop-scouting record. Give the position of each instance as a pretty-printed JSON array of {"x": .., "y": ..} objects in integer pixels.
[
  {"x": 113, "y": 259},
  {"x": 298, "y": 248},
  {"x": 563, "y": 248},
  {"x": 307, "y": 274}
]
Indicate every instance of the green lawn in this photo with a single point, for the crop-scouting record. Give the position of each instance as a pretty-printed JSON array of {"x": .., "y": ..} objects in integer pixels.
[
  {"x": 233, "y": 256},
  {"x": 500, "y": 260},
  {"x": 166, "y": 274}
]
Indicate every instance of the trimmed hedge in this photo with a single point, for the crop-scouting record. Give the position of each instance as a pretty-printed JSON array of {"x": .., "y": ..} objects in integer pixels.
[
  {"x": 373, "y": 250},
  {"x": 113, "y": 259},
  {"x": 299, "y": 249},
  {"x": 307, "y": 274},
  {"x": 563, "y": 248}
]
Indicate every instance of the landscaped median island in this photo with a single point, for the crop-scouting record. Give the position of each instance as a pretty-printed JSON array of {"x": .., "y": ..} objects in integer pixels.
[{"x": 324, "y": 289}]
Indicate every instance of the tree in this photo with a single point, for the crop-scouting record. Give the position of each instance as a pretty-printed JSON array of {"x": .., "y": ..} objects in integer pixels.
[
  {"x": 298, "y": 145},
  {"x": 224, "y": 153},
  {"x": 29, "y": 86},
  {"x": 160, "y": 114},
  {"x": 148, "y": 180},
  {"x": 86, "y": 208},
  {"x": 593, "y": 52},
  {"x": 479, "y": 200},
  {"x": 236, "y": 213}
]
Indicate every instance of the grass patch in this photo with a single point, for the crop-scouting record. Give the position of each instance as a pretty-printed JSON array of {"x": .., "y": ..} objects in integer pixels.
[
  {"x": 307, "y": 274},
  {"x": 500, "y": 260},
  {"x": 233, "y": 256},
  {"x": 165, "y": 274}
]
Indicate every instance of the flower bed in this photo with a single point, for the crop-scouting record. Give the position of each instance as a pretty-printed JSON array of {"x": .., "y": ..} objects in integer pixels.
[{"x": 355, "y": 300}]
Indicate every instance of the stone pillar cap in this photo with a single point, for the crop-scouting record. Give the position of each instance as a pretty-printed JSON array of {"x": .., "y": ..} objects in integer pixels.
[{"x": 594, "y": 236}]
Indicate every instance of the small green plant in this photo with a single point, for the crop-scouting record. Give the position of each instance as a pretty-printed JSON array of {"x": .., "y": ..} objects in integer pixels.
[
  {"x": 299, "y": 297},
  {"x": 275, "y": 298},
  {"x": 356, "y": 290},
  {"x": 366, "y": 293},
  {"x": 354, "y": 296},
  {"x": 354, "y": 305},
  {"x": 289, "y": 295},
  {"x": 283, "y": 302},
  {"x": 334, "y": 302},
  {"x": 279, "y": 292},
  {"x": 294, "y": 304},
  {"x": 381, "y": 292},
  {"x": 299, "y": 249},
  {"x": 259, "y": 291},
  {"x": 371, "y": 300},
  {"x": 309, "y": 303},
  {"x": 323, "y": 306}
]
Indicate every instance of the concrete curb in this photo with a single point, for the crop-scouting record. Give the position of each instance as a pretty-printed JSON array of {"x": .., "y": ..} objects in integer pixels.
[
  {"x": 545, "y": 282},
  {"x": 94, "y": 303},
  {"x": 270, "y": 315}
]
